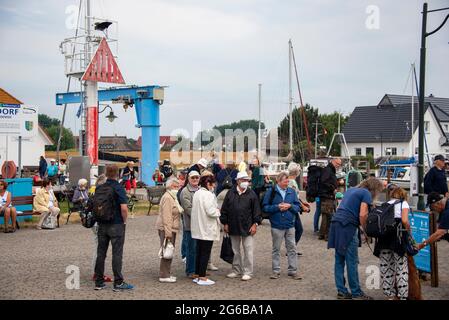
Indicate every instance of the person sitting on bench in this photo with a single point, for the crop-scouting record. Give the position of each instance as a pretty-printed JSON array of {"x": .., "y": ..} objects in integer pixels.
[
  {"x": 81, "y": 195},
  {"x": 6, "y": 207},
  {"x": 46, "y": 204}
]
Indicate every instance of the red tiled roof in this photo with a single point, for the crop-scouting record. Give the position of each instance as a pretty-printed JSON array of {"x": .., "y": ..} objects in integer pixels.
[{"x": 6, "y": 98}]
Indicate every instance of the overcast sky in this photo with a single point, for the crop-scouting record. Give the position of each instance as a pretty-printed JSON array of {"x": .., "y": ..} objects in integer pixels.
[{"x": 212, "y": 55}]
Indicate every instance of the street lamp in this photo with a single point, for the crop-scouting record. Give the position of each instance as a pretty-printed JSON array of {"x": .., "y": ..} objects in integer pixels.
[
  {"x": 111, "y": 116},
  {"x": 422, "y": 78}
]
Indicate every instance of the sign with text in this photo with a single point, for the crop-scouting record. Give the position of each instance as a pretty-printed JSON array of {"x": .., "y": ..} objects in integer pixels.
[
  {"x": 18, "y": 120},
  {"x": 420, "y": 226}
]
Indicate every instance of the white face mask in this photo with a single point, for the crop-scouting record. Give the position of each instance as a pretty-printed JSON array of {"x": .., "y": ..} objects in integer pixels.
[{"x": 244, "y": 185}]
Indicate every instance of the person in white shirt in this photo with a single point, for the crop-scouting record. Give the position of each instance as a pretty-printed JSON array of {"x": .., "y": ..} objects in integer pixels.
[
  {"x": 391, "y": 249},
  {"x": 205, "y": 226}
]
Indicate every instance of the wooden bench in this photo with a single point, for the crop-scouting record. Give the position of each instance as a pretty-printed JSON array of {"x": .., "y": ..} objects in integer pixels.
[
  {"x": 24, "y": 201},
  {"x": 154, "y": 195}
]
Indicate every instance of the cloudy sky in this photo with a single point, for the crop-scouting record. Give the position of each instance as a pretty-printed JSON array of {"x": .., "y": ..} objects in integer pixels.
[{"x": 212, "y": 55}]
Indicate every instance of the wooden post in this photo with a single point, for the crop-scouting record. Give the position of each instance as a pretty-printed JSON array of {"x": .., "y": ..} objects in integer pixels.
[{"x": 433, "y": 252}]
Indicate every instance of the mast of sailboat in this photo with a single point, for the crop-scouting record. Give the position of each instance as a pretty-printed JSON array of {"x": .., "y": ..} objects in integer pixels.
[
  {"x": 290, "y": 97},
  {"x": 259, "y": 138},
  {"x": 413, "y": 112}
]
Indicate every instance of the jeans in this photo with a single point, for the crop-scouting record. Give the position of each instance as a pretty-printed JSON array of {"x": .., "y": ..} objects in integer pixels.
[
  {"x": 94, "y": 258},
  {"x": 183, "y": 242},
  {"x": 298, "y": 228},
  {"x": 277, "y": 237},
  {"x": 351, "y": 260},
  {"x": 114, "y": 233},
  {"x": 243, "y": 264},
  {"x": 190, "y": 251},
  {"x": 316, "y": 217}
]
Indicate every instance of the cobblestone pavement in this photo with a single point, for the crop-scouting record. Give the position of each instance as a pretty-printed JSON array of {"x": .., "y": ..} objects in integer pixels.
[{"x": 34, "y": 264}]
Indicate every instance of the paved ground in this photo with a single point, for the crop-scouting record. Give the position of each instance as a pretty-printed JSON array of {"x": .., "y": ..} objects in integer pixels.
[{"x": 34, "y": 263}]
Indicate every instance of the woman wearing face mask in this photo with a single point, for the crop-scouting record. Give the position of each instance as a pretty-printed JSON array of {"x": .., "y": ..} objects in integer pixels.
[
  {"x": 205, "y": 226},
  {"x": 167, "y": 224},
  {"x": 240, "y": 215},
  {"x": 46, "y": 204}
]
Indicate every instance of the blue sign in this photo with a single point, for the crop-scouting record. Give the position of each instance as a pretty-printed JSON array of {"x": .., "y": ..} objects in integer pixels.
[{"x": 420, "y": 226}]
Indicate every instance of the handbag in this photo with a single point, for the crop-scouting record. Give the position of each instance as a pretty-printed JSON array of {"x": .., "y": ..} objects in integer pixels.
[
  {"x": 167, "y": 250},
  {"x": 226, "y": 253}
]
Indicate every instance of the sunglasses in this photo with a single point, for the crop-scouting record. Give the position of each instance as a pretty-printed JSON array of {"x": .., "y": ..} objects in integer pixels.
[{"x": 194, "y": 178}]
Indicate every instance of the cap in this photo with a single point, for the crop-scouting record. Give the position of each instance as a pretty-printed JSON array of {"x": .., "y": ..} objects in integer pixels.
[
  {"x": 439, "y": 157},
  {"x": 242, "y": 175},
  {"x": 202, "y": 162},
  {"x": 433, "y": 197},
  {"x": 194, "y": 174}
]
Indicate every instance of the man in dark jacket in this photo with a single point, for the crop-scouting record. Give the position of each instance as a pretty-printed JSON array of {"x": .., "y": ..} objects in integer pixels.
[
  {"x": 282, "y": 204},
  {"x": 435, "y": 179},
  {"x": 240, "y": 215},
  {"x": 226, "y": 178},
  {"x": 326, "y": 193}
]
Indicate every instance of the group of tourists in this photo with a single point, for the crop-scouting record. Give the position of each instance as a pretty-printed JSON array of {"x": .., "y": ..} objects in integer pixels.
[
  {"x": 55, "y": 172},
  {"x": 199, "y": 204}
]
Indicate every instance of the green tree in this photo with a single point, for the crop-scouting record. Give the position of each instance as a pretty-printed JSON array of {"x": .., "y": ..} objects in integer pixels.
[{"x": 51, "y": 126}]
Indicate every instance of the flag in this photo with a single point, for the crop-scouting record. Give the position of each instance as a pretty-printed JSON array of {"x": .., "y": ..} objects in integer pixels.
[{"x": 80, "y": 110}]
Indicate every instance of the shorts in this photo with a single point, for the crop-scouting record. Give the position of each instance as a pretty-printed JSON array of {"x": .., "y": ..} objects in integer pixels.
[{"x": 130, "y": 184}]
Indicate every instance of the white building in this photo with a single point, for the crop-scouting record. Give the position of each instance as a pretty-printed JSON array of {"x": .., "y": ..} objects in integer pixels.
[
  {"x": 386, "y": 129},
  {"x": 32, "y": 147}
]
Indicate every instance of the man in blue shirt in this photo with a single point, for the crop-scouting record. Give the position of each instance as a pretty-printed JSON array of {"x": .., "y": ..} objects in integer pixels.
[
  {"x": 439, "y": 204},
  {"x": 283, "y": 207},
  {"x": 113, "y": 232},
  {"x": 52, "y": 171},
  {"x": 344, "y": 236},
  {"x": 435, "y": 179}
]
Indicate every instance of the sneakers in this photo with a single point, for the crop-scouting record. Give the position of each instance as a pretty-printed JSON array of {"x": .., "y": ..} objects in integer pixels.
[
  {"x": 344, "y": 296},
  {"x": 105, "y": 278},
  {"x": 295, "y": 276},
  {"x": 99, "y": 287},
  {"x": 362, "y": 296},
  {"x": 246, "y": 277},
  {"x": 275, "y": 275},
  {"x": 122, "y": 287},
  {"x": 195, "y": 280},
  {"x": 168, "y": 280},
  {"x": 232, "y": 275},
  {"x": 211, "y": 267},
  {"x": 207, "y": 282},
  {"x": 184, "y": 260}
]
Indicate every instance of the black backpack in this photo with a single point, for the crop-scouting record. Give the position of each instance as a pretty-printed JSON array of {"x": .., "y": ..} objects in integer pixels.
[
  {"x": 313, "y": 182},
  {"x": 103, "y": 203},
  {"x": 227, "y": 182},
  {"x": 381, "y": 220}
]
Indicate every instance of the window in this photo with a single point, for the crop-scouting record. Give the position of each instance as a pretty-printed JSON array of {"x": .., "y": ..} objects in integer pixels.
[
  {"x": 427, "y": 126},
  {"x": 446, "y": 127},
  {"x": 391, "y": 151},
  {"x": 370, "y": 151},
  {"x": 358, "y": 151}
]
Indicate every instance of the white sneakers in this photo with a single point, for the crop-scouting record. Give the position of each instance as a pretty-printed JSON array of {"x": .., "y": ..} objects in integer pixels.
[
  {"x": 246, "y": 277},
  {"x": 232, "y": 275},
  {"x": 211, "y": 267},
  {"x": 168, "y": 280},
  {"x": 207, "y": 282}
]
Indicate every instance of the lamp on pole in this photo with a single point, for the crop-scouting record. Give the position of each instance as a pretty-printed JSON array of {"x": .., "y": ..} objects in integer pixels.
[
  {"x": 422, "y": 78},
  {"x": 111, "y": 116}
]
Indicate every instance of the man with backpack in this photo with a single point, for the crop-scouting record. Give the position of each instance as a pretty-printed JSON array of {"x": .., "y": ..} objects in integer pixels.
[
  {"x": 226, "y": 177},
  {"x": 326, "y": 193},
  {"x": 110, "y": 210}
]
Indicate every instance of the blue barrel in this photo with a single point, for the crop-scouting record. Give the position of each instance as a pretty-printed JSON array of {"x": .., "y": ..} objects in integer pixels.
[{"x": 20, "y": 188}]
